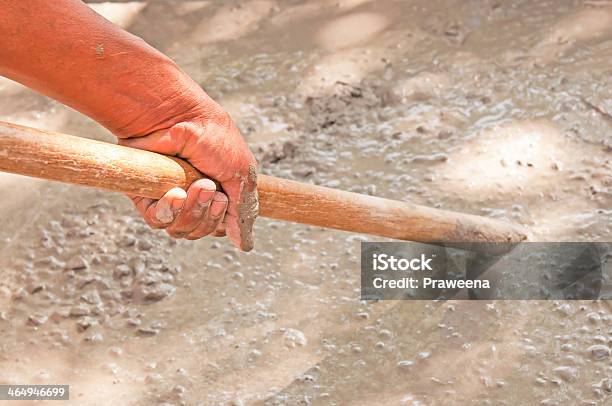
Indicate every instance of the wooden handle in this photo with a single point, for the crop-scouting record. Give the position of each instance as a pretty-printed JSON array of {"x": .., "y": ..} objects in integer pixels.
[{"x": 66, "y": 158}]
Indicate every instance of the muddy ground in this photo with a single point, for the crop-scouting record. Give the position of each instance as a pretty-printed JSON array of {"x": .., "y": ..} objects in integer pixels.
[{"x": 499, "y": 108}]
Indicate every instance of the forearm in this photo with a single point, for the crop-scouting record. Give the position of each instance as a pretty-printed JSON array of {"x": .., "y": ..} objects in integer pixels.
[{"x": 65, "y": 50}]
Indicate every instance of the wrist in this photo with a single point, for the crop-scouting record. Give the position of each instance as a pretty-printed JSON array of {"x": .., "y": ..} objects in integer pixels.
[{"x": 170, "y": 98}]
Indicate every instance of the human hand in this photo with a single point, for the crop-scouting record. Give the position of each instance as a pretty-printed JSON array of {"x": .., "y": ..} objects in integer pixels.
[
  {"x": 146, "y": 100},
  {"x": 213, "y": 145}
]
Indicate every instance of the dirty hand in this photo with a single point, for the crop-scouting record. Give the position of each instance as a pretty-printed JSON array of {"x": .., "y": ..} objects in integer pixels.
[
  {"x": 145, "y": 99},
  {"x": 214, "y": 146}
]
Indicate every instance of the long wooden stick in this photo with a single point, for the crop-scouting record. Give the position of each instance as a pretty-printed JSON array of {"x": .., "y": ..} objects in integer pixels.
[{"x": 66, "y": 158}]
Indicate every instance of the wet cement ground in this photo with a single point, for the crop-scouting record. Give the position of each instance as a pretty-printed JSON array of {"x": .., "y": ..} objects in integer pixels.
[{"x": 496, "y": 108}]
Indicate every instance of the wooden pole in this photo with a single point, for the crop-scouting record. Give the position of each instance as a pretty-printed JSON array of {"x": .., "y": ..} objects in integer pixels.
[{"x": 65, "y": 158}]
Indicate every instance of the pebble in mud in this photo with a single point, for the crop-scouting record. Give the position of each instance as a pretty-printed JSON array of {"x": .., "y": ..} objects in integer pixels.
[
  {"x": 115, "y": 351},
  {"x": 148, "y": 331},
  {"x": 599, "y": 351},
  {"x": 405, "y": 364},
  {"x": 122, "y": 271},
  {"x": 128, "y": 272},
  {"x": 79, "y": 311},
  {"x": 293, "y": 338},
  {"x": 254, "y": 354},
  {"x": 37, "y": 319},
  {"x": 92, "y": 297},
  {"x": 604, "y": 387},
  {"x": 424, "y": 354},
  {"x": 153, "y": 329},
  {"x": 77, "y": 263},
  {"x": 385, "y": 334},
  {"x": 128, "y": 241},
  {"x": 153, "y": 378},
  {"x": 158, "y": 292},
  {"x": 137, "y": 265},
  {"x": 50, "y": 262},
  {"x": 566, "y": 373},
  {"x": 133, "y": 322},
  {"x": 593, "y": 317},
  {"x": 94, "y": 338},
  {"x": 85, "y": 323},
  {"x": 145, "y": 245},
  {"x": 19, "y": 294}
]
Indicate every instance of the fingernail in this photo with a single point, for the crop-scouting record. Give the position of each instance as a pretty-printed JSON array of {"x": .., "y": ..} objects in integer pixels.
[
  {"x": 218, "y": 206},
  {"x": 170, "y": 205},
  {"x": 176, "y": 206},
  {"x": 204, "y": 196},
  {"x": 164, "y": 214},
  {"x": 207, "y": 191}
]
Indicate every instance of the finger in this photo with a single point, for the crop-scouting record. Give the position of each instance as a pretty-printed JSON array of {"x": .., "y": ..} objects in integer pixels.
[
  {"x": 199, "y": 197},
  {"x": 142, "y": 204},
  {"x": 214, "y": 216},
  {"x": 242, "y": 209},
  {"x": 160, "y": 213},
  {"x": 220, "y": 230}
]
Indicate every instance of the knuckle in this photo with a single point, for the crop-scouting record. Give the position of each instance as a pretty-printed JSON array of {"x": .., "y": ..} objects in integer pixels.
[
  {"x": 175, "y": 234},
  {"x": 153, "y": 224},
  {"x": 213, "y": 220},
  {"x": 136, "y": 200},
  {"x": 197, "y": 213},
  {"x": 223, "y": 119},
  {"x": 207, "y": 228},
  {"x": 182, "y": 231}
]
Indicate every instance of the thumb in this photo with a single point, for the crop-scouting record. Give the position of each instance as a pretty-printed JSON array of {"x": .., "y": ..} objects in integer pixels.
[{"x": 163, "y": 142}]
